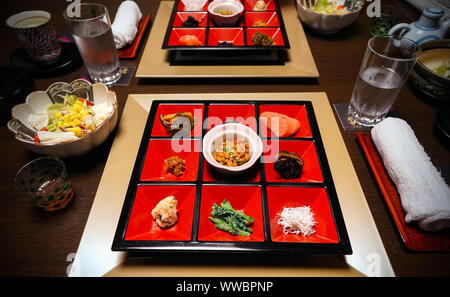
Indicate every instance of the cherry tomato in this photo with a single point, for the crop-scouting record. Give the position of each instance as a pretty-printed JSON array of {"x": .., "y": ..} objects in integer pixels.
[{"x": 87, "y": 101}]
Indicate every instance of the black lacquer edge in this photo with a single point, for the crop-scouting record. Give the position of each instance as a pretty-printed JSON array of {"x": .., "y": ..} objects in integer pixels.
[
  {"x": 170, "y": 26},
  {"x": 203, "y": 247}
]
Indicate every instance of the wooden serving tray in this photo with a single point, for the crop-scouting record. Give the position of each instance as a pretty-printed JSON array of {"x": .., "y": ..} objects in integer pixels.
[
  {"x": 413, "y": 237},
  {"x": 210, "y": 34},
  {"x": 129, "y": 51},
  {"x": 155, "y": 61}
]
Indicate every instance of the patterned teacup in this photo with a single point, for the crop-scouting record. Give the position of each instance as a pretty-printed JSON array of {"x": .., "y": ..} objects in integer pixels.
[
  {"x": 36, "y": 34},
  {"x": 46, "y": 182}
]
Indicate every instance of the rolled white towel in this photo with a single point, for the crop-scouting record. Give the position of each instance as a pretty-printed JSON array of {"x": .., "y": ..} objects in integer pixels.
[
  {"x": 424, "y": 195},
  {"x": 125, "y": 25}
]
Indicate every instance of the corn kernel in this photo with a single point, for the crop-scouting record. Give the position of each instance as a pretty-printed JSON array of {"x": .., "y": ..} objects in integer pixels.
[
  {"x": 58, "y": 115},
  {"x": 77, "y": 131}
]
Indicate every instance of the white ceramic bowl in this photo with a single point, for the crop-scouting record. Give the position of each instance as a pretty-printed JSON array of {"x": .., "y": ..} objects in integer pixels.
[
  {"x": 225, "y": 20},
  {"x": 326, "y": 23},
  {"x": 214, "y": 139},
  {"x": 39, "y": 100}
]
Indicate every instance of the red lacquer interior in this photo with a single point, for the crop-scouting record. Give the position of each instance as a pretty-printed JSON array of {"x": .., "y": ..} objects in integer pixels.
[
  {"x": 244, "y": 198},
  {"x": 242, "y": 113},
  {"x": 250, "y": 5},
  {"x": 269, "y": 17},
  {"x": 274, "y": 33},
  {"x": 294, "y": 111},
  {"x": 141, "y": 225},
  {"x": 316, "y": 198},
  {"x": 181, "y": 17},
  {"x": 182, "y": 7},
  {"x": 311, "y": 172},
  {"x": 232, "y": 35},
  {"x": 177, "y": 33},
  {"x": 164, "y": 109},
  {"x": 160, "y": 150}
]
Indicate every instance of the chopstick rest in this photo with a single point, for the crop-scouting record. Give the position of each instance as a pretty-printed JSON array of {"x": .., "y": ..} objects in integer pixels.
[
  {"x": 125, "y": 25},
  {"x": 424, "y": 195}
]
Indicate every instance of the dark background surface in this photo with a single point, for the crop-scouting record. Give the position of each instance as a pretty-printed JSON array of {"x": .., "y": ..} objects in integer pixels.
[{"x": 33, "y": 243}]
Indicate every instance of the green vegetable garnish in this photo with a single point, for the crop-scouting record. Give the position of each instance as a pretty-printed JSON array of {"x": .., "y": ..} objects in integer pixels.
[
  {"x": 444, "y": 69},
  {"x": 227, "y": 219}
]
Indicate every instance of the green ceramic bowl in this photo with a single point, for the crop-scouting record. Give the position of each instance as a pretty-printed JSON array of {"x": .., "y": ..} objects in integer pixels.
[{"x": 424, "y": 79}]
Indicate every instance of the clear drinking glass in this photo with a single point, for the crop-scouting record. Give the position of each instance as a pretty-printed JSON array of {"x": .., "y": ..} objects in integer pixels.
[
  {"x": 91, "y": 29},
  {"x": 385, "y": 67},
  {"x": 46, "y": 182}
]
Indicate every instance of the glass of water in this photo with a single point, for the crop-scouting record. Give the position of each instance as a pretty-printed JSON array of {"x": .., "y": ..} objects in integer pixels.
[
  {"x": 91, "y": 29},
  {"x": 385, "y": 67}
]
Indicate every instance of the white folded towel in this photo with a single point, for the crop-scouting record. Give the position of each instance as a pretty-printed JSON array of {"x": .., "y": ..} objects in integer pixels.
[
  {"x": 424, "y": 195},
  {"x": 125, "y": 25}
]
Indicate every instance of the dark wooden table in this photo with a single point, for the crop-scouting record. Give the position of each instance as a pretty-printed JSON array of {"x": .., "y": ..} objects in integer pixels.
[{"x": 33, "y": 243}]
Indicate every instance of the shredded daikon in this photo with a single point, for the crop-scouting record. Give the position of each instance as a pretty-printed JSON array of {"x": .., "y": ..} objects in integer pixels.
[{"x": 297, "y": 220}]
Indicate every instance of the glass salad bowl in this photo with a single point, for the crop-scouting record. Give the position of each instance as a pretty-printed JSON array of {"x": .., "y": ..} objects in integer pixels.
[{"x": 66, "y": 120}]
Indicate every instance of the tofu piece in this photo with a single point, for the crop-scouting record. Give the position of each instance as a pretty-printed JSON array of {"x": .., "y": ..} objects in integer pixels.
[{"x": 165, "y": 212}]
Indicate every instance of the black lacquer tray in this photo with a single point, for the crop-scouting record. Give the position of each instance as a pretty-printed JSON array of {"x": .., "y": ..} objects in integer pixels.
[
  {"x": 227, "y": 45},
  {"x": 259, "y": 193}
]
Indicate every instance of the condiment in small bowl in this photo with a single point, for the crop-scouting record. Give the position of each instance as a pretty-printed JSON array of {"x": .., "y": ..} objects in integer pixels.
[
  {"x": 225, "y": 12},
  {"x": 214, "y": 140}
]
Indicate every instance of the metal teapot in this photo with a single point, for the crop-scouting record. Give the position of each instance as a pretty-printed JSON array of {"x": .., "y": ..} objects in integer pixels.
[{"x": 426, "y": 28}]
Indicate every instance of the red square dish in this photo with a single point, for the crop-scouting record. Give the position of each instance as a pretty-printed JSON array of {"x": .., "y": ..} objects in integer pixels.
[
  {"x": 297, "y": 112},
  {"x": 181, "y": 17},
  {"x": 164, "y": 109},
  {"x": 182, "y": 7},
  {"x": 231, "y": 35},
  {"x": 177, "y": 33},
  {"x": 269, "y": 17},
  {"x": 243, "y": 198},
  {"x": 311, "y": 172},
  {"x": 142, "y": 226},
  {"x": 159, "y": 150},
  {"x": 210, "y": 174},
  {"x": 316, "y": 198},
  {"x": 242, "y": 113},
  {"x": 251, "y": 5},
  {"x": 274, "y": 33}
]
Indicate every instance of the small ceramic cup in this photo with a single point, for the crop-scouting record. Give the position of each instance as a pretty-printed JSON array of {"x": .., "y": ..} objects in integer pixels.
[
  {"x": 36, "y": 34},
  {"x": 235, "y": 7},
  {"x": 46, "y": 182},
  {"x": 213, "y": 141}
]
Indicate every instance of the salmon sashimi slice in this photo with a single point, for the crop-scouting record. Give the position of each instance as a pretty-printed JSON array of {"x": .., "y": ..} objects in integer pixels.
[
  {"x": 190, "y": 40},
  {"x": 281, "y": 125},
  {"x": 293, "y": 126}
]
